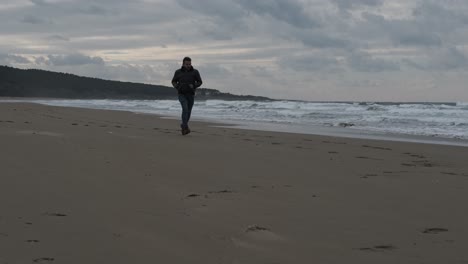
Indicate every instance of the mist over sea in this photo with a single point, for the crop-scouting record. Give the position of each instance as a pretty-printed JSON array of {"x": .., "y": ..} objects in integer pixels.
[{"x": 365, "y": 119}]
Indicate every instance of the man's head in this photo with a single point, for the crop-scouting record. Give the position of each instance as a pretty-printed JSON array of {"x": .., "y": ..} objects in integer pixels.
[{"x": 187, "y": 63}]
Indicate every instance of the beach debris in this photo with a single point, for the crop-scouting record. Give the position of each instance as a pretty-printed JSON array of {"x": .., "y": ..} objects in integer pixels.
[{"x": 193, "y": 195}]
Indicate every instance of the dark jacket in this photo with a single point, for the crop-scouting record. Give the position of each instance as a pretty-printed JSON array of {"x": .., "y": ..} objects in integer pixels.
[{"x": 186, "y": 81}]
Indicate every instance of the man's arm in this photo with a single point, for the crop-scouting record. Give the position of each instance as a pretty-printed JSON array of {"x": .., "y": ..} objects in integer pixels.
[
  {"x": 175, "y": 80},
  {"x": 198, "y": 80}
]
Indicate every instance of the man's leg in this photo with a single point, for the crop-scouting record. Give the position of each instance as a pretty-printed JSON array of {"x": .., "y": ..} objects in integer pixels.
[
  {"x": 190, "y": 102},
  {"x": 185, "y": 111}
]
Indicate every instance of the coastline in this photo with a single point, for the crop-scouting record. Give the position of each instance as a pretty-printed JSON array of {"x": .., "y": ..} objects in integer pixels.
[
  {"x": 337, "y": 132},
  {"x": 287, "y": 127},
  {"x": 99, "y": 186}
]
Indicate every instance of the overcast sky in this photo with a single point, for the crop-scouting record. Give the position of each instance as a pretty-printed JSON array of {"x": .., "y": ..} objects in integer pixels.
[{"x": 379, "y": 50}]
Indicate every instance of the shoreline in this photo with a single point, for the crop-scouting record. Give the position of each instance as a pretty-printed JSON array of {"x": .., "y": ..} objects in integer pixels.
[
  {"x": 296, "y": 128},
  {"x": 337, "y": 132},
  {"x": 101, "y": 186}
]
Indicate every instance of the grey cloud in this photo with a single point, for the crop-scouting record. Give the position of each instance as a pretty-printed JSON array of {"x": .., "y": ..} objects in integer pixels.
[
  {"x": 221, "y": 20},
  {"x": 57, "y": 38},
  {"x": 349, "y": 4},
  {"x": 442, "y": 17},
  {"x": 219, "y": 8},
  {"x": 239, "y": 40},
  {"x": 216, "y": 71},
  {"x": 41, "y": 61},
  {"x": 413, "y": 64},
  {"x": 220, "y": 29},
  {"x": 450, "y": 58},
  {"x": 308, "y": 63},
  {"x": 404, "y": 32},
  {"x": 321, "y": 40},
  {"x": 39, "y": 2},
  {"x": 72, "y": 59},
  {"x": 126, "y": 72},
  {"x": 31, "y": 19},
  {"x": 262, "y": 72},
  {"x": 291, "y": 12},
  {"x": 11, "y": 59},
  {"x": 432, "y": 24},
  {"x": 94, "y": 10},
  {"x": 364, "y": 62}
]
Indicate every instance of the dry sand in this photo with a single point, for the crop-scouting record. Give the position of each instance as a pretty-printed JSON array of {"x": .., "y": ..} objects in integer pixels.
[{"x": 91, "y": 186}]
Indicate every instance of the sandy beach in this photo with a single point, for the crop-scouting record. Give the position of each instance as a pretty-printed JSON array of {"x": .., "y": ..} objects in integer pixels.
[{"x": 94, "y": 186}]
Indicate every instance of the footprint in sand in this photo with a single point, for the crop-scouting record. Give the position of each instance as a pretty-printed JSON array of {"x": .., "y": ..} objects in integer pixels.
[
  {"x": 223, "y": 191},
  {"x": 381, "y": 148},
  {"x": 257, "y": 232},
  {"x": 256, "y": 237},
  {"x": 434, "y": 230},
  {"x": 55, "y": 214},
  {"x": 43, "y": 260},
  {"x": 32, "y": 241},
  {"x": 449, "y": 173},
  {"x": 378, "y": 248},
  {"x": 363, "y": 157},
  {"x": 334, "y": 142},
  {"x": 368, "y": 175}
]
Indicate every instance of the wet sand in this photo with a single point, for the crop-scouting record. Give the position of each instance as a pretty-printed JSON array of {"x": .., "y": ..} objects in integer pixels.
[{"x": 95, "y": 186}]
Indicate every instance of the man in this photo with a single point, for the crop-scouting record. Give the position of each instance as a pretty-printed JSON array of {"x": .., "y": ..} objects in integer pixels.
[{"x": 186, "y": 80}]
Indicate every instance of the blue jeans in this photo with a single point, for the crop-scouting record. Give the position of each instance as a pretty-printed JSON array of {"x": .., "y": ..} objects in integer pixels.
[{"x": 186, "y": 101}]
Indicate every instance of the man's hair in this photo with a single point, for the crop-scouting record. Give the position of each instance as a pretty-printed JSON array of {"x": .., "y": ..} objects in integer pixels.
[{"x": 186, "y": 59}]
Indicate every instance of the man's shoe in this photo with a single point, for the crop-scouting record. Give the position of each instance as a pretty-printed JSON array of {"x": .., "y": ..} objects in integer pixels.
[
  {"x": 184, "y": 131},
  {"x": 187, "y": 130}
]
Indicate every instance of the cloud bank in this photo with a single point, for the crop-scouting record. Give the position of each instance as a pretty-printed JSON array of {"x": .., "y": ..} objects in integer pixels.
[{"x": 413, "y": 50}]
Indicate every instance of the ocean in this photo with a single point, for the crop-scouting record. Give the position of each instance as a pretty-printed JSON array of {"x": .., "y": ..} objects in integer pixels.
[{"x": 445, "y": 123}]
